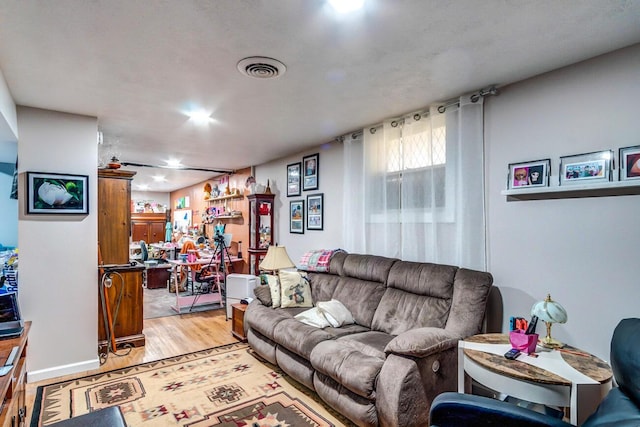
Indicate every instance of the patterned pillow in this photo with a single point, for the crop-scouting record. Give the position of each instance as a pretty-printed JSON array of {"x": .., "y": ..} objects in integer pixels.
[
  {"x": 274, "y": 287},
  {"x": 263, "y": 293},
  {"x": 296, "y": 291}
]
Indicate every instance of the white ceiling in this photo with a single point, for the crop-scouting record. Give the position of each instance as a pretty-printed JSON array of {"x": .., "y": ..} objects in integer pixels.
[{"x": 137, "y": 65}]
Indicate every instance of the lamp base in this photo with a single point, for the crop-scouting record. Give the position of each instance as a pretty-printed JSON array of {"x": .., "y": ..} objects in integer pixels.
[{"x": 549, "y": 342}]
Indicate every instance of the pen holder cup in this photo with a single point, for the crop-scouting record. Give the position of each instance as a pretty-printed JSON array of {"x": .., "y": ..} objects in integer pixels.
[{"x": 523, "y": 342}]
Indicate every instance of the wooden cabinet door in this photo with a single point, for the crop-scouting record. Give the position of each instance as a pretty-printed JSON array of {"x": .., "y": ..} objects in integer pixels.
[
  {"x": 156, "y": 232},
  {"x": 128, "y": 323},
  {"x": 140, "y": 231}
]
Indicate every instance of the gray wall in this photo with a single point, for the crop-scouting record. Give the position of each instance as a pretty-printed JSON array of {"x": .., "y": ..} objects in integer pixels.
[
  {"x": 330, "y": 184},
  {"x": 583, "y": 251}
]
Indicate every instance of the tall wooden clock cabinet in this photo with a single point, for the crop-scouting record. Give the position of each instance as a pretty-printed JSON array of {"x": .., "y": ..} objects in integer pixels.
[{"x": 260, "y": 229}]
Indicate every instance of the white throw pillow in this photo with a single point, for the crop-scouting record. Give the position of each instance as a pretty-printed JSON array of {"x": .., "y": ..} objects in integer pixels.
[
  {"x": 296, "y": 291},
  {"x": 274, "y": 287},
  {"x": 336, "y": 313},
  {"x": 313, "y": 317}
]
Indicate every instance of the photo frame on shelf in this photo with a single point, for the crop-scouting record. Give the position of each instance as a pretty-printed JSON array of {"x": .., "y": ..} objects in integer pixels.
[
  {"x": 310, "y": 170},
  {"x": 315, "y": 211},
  {"x": 587, "y": 168},
  {"x": 296, "y": 216},
  {"x": 529, "y": 174},
  {"x": 629, "y": 163},
  {"x": 58, "y": 194},
  {"x": 293, "y": 179}
]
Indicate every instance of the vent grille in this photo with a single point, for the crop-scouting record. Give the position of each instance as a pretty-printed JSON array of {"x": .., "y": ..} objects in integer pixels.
[{"x": 260, "y": 67}]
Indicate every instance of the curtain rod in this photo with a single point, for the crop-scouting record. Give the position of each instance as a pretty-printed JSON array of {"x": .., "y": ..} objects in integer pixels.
[{"x": 474, "y": 97}]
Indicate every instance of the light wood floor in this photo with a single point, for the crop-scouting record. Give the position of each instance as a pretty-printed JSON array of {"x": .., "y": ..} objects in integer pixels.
[{"x": 165, "y": 337}]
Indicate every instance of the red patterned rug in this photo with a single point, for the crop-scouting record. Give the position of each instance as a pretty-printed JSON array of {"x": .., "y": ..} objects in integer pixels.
[{"x": 222, "y": 386}]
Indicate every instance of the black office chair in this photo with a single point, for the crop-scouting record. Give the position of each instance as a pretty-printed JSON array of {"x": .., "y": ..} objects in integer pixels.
[{"x": 620, "y": 407}]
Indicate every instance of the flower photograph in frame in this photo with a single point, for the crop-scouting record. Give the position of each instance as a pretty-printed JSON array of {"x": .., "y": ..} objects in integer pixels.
[
  {"x": 529, "y": 174},
  {"x": 310, "y": 168},
  {"x": 296, "y": 216},
  {"x": 630, "y": 163},
  {"x": 53, "y": 193},
  {"x": 315, "y": 209},
  {"x": 293, "y": 179},
  {"x": 586, "y": 168}
]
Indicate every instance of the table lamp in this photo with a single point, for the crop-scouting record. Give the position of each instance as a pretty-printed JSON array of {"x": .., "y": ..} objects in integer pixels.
[
  {"x": 550, "y": 312},
  {"x": 276, "y": 259}
]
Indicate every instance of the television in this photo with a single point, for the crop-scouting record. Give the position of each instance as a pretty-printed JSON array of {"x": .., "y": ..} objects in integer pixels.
[{"x": 11, "y": 323}]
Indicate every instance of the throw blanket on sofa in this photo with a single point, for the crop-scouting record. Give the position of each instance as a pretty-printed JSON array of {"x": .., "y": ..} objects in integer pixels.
[{"x": 317, "y": 260}]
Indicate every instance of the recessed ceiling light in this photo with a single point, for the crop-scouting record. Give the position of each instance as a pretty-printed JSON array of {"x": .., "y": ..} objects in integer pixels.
[
  {"x": 142, "y": 186},
  {"x": 174, "y": 163},
  {"x": 159, "y": 178},
  {"x": 200, "y": 117},
  {"x": 345, "y": 6}
]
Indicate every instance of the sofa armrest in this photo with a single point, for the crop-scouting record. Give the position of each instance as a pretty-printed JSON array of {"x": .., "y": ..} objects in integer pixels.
[
  {"x": 453, "y": 409},
  {"x": 421, "y": 342}
]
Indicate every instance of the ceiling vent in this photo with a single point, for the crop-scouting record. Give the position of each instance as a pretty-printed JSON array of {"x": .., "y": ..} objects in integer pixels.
[{"x": 260, "y": 67}]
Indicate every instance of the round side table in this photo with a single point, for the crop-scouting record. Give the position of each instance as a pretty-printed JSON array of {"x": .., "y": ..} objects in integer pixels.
[{"x": 576, "y": 380}]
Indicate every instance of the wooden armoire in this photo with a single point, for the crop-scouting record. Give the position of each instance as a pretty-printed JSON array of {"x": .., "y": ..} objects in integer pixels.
[{"x": 114, "y": 226}]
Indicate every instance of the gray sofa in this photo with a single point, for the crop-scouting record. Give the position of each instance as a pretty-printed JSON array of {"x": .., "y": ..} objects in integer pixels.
[{"x": 399, "y": 355}]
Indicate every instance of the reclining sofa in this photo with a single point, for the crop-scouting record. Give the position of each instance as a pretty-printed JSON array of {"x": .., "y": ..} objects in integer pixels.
[{"x": 401, "y": 352}]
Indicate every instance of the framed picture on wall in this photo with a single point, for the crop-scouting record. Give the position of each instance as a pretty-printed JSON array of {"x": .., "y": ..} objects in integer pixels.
[
  {"x": 630, "y": 163},
  {"x": 310, "y": 169},
  {"x": 315, "y": 211},
  {"x": 54, "y": 193},
  {"x": 529, "y": 174},
  {"x": 293, "y": 179},
  {"x": 586, "y": 168},
  {"x": 296, "y": 216}
]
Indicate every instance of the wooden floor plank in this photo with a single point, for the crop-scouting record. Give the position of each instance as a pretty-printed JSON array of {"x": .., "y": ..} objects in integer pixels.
[{"x": 165, "y": 337}]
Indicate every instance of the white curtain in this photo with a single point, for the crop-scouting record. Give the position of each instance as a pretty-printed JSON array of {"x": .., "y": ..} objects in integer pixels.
[{"x": 414, "y": 188}]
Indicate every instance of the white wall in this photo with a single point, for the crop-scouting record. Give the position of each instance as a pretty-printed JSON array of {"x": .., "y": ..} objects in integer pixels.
[
  {"x": 155, "y": 196},
  {"x": 58, "y": 255},
  {"x": 8, "y": 152},
  {"x": 583, "y": 251},
  {"x": 330, "y": 184}
]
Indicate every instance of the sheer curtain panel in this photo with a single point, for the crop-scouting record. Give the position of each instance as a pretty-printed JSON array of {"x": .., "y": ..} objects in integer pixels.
[{"x": 414, "y": 188}]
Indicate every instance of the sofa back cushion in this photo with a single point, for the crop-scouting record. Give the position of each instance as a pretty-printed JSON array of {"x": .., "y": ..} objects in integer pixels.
[
  {"x": 357, "y": 281},
  {"x": 417, "y": 295},
  {"x": 468, "y": 305}
]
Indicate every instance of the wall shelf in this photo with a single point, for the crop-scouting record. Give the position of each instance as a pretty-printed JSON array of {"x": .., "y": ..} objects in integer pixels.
[
  {"x": 614, "y": 188},
  {"x": 223, "y": 198}
]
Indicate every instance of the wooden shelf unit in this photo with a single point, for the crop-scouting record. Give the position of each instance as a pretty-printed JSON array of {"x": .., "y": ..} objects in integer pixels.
[
  {"x": 12, "y": 385},
  {"x": 614, "y": 188}
]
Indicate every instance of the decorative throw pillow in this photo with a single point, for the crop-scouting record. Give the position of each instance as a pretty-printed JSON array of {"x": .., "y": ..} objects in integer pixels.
[
  {"x": 296, "y": 291},
  {"x": 274, "y": 288},
  {"x": 263, "y": 293},
  {"x": 313, "y": 317},
  {"x": 336, "y": 313}
]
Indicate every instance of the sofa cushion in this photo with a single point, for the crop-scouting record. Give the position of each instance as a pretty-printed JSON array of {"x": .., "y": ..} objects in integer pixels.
[
  {"x": 417, "y": 295},
  {"x": 361, "y": 298},
  {"x": 263, "y": 293},
  {"x": 353, "y": 361},
  {"x": 264, "y": 319},
  {"x": 298, "y": 337}
]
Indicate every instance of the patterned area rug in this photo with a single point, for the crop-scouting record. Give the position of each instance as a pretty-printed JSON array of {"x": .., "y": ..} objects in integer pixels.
[
  {"x": 223, "y": 386},
  {"x": 158, "y": 302}
]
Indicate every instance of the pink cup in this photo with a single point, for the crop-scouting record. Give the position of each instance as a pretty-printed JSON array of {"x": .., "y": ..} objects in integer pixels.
[{"x": 523, "y": 342}]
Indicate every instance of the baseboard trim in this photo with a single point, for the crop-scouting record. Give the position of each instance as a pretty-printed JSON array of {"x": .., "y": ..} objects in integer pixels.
[{"x": 60, "y": 371}]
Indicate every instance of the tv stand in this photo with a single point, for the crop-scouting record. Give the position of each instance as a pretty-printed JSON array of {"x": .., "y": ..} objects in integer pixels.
[{"x": 12, "y": 384}]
